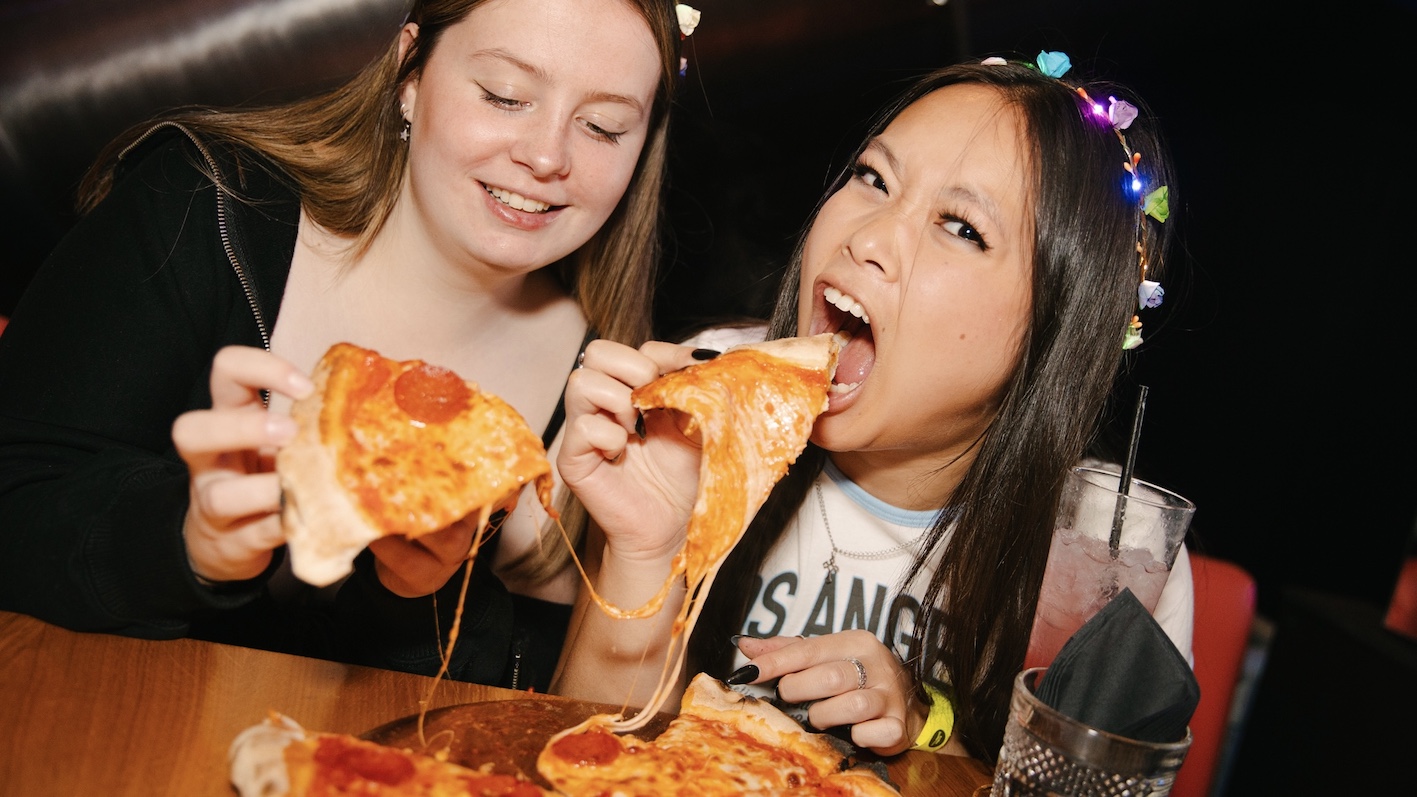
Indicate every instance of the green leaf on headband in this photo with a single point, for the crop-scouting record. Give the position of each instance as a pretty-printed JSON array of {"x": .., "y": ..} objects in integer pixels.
[{"x": 1157, "y": 204}]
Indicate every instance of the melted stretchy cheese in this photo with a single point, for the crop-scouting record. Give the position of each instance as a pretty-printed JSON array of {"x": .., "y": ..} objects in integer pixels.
[{"x": 753, "y": 408}]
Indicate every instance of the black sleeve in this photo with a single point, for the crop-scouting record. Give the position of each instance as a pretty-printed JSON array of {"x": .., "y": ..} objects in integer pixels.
[
  {"x": 409, "y": 634},
  {"x": 112, "y": 340}
]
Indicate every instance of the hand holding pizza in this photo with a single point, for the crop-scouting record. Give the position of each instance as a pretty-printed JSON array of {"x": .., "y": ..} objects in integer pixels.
[
  {"x": 412, "y": 568},
  {"x": 640, "y": 491},
  {"x": 233, "y": 518},
  {"x": 850, "y": 678}
]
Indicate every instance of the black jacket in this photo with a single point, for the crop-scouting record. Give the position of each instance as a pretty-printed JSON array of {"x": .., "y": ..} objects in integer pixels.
[{"x": 113, "y": 339}]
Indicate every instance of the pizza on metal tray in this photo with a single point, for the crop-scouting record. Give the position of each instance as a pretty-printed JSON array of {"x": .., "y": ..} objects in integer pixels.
[{"x": 721, "y": 743}]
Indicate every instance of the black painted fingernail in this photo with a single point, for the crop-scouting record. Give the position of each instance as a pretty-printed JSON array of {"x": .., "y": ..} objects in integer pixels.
[
  {"x": 743, "y": 675},
  {"x": 705, "y": 354},
  {"x": 736, "y": 638},
  {"x": 640, "y": 425}
]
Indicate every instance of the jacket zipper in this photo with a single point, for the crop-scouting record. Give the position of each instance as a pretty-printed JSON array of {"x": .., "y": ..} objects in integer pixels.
[{"x": 221, "y": 199}]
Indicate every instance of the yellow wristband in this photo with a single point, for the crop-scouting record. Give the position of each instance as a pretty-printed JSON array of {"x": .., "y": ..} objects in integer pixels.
[{"x": 939, "y": 725}]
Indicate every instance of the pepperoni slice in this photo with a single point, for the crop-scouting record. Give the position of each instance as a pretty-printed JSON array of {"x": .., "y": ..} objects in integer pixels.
[
  {"x": 431, "y": 394},
  {"x": 592, "y": 748},
  {"x": 337, "y": 757}
]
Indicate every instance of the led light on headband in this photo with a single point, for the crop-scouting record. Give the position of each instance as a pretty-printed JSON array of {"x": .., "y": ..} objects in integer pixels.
[{"x": 1119, "y": 114}]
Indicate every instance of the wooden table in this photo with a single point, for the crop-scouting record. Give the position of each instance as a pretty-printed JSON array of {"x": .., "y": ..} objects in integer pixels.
[{"x": 100, "y": 714}]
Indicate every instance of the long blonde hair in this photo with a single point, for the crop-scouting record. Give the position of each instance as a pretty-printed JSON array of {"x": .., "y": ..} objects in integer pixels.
[{"x": 341, "y": 152}]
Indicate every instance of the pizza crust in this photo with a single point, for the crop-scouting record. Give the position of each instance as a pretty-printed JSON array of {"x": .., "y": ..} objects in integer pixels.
[
  {"x": 312, "y": 501},
  {"x": 257, "y": 757}
]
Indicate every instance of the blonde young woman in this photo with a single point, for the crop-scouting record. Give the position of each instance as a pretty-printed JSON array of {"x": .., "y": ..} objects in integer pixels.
[{"x": 483, "y": 197}]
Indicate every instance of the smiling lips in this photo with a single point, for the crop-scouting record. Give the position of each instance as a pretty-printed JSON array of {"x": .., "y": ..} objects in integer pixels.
[
  {"x": 516, "y": 201},
  {"x": 858, "y": 346}
]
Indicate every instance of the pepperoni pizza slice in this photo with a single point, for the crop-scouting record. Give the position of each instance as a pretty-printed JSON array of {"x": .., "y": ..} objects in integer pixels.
[
  {"x": 278, "y": 758},
  {"x": 721, "y": 743},
  {"x": 753, "y": 408},
  {"x": 397, "y": 447}
]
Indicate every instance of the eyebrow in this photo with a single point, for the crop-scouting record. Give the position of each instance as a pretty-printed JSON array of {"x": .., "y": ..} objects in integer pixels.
[
  {"x": 541, "y": 74},
  {"x": 968, "y": 195}
]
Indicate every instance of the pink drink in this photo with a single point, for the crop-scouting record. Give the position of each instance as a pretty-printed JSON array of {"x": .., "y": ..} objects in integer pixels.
[{"x": 1081, "y": 578}]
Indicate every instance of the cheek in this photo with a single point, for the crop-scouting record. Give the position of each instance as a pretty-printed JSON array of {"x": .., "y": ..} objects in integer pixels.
[
  {"x": 980, "y": 335},
  {"x": 605, "y": 178}
]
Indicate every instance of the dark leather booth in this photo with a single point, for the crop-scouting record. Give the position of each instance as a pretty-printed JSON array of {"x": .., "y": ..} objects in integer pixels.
[{"x": 771, "y": 97}]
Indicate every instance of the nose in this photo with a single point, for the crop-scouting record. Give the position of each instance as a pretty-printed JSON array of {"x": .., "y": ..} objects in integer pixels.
[
  {"x": 880, "y": 240},
  {"x": 543, "y": 148}
]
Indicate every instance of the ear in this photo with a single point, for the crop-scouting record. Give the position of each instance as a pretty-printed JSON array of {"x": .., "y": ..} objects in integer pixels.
[{"x": 408, "y": 92}]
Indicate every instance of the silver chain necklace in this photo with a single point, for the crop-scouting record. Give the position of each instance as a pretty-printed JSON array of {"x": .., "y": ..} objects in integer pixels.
[{"x": 830, "y": 564}]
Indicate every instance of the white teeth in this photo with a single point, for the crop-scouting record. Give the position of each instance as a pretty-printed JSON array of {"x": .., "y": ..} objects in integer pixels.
[
  {"x": 514, "y": 200},
  {"x": 845, "y": 303},
  {"x": 847, "y": 388}
]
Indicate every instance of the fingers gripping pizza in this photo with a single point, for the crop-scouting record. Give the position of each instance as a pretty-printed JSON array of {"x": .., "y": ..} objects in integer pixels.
[
  {"x": 396, "y": 447},
  {"x": 753, "y": 408}
]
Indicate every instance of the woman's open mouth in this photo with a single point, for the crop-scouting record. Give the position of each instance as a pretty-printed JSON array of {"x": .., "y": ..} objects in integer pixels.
[{"x": 848, "y": 319}]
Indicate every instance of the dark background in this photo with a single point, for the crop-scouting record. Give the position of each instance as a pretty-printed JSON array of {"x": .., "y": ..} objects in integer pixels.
[{"x": 1279, "y": 369}]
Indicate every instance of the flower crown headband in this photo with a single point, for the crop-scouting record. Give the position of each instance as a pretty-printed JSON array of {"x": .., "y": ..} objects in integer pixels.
[{"x": 1120, "y": 115}]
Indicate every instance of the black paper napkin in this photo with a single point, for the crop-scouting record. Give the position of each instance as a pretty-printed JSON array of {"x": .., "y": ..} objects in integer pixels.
[{"x": 1120, "y": 673}]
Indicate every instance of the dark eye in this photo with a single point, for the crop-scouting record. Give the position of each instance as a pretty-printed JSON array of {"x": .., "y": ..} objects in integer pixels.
[
  {"x": 869, "y": 176},
  {"x": 962, "y": 229}
]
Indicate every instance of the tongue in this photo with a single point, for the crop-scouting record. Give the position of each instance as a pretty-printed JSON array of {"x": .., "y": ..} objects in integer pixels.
[{"x": 854, "y": 362}]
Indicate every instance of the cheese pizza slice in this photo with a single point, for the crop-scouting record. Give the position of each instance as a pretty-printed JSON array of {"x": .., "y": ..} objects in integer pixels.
[
  {"x": 753, "y": 408},
  {"x": 397, "y": 447},
  {"x": 721, "y": 743}
]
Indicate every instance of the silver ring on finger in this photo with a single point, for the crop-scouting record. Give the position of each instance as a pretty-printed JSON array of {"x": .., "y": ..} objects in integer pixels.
[{"x": 860, "y": 671}]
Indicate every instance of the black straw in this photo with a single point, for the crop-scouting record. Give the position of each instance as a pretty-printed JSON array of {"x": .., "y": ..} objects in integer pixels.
[{"x": 1125, "y": 486}]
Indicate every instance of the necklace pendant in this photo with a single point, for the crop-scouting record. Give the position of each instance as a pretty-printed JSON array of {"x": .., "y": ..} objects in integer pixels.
[{"x": 830, "y": 566}]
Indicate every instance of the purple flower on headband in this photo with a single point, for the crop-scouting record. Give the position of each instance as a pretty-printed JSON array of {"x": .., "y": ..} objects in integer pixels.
[
  {"x": 1121, "y": 113},
  {"x": 1149, "y": 294},
  {"x": 1054, "y": 64},
  {"x": 993, "y": 61}
]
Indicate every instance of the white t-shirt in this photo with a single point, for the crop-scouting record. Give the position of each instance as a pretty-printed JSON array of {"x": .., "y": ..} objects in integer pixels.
[
  {"x": 875, "y": 544},
  {"x": 794, "y": 597}
]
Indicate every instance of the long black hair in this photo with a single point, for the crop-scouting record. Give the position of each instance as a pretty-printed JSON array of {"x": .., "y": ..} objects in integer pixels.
[{"x": 986, "y": 580}]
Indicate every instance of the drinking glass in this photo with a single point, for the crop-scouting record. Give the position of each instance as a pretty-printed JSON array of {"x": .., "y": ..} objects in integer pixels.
[
  {"x": 1086, "y": 570},
  {"x": 1048, "y": 754}
]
